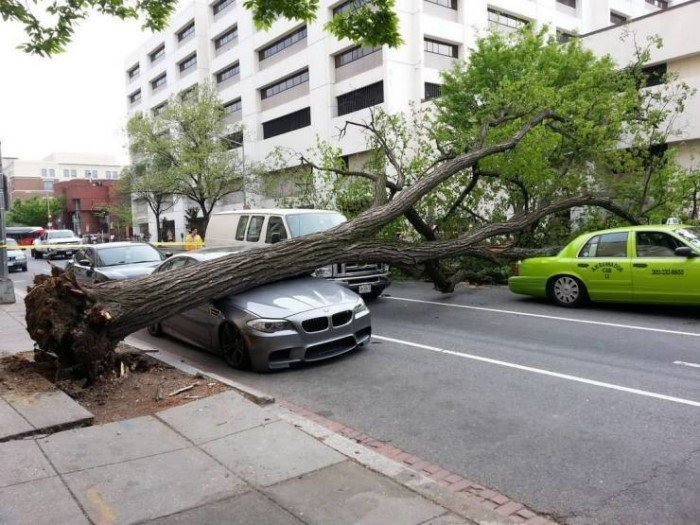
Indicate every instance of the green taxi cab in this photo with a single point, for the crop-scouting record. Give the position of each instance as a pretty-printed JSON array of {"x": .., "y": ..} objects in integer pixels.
[{"x": 644, "y": 264}]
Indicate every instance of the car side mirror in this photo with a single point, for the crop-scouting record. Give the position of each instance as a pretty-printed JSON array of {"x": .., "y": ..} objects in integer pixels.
[
  {"x": 275, "y": 237},
  {"x": 685, "y": 251},
  {"x": 84, "y": 262},
  {"x": 168, "y": 254}
]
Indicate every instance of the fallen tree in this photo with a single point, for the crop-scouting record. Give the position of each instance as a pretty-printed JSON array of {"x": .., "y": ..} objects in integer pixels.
[
  {"x": 82, "y": 325},
  {"x": 517, "y": 150}
]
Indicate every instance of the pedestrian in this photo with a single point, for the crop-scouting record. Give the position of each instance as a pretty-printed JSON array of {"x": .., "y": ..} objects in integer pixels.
[{"x": 193, "y": 241}]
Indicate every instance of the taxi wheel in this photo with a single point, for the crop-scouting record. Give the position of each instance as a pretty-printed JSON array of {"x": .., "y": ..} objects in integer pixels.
[
  {"x": 233, "y": 347},
  {"x": 567, "y": 291},
  {"x": 155, "y": 330}
]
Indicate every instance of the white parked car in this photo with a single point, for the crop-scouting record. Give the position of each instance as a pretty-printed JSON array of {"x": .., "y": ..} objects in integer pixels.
[
  {"x": 55, "y": 242},
  {"x": 259, "y": 228}
]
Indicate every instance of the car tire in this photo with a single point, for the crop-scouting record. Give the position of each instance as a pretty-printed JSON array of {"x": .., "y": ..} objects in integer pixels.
[
  {"x": 24, "y": 268},
  {"x": 38, "y": 255},
  {"x": 567, "y": 291},
  {"x": 233, "y": 347},
  {"x": 155, "y": 330}
]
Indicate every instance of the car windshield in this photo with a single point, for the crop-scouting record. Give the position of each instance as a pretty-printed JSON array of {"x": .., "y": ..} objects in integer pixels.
[
  {"x": 306, "y": 223},
  {"x": 61, "y": 234},
  {"x": 133, "y": 254},
  {"x": 692, "y": 235},
  {"x": 10, "y": 243}
]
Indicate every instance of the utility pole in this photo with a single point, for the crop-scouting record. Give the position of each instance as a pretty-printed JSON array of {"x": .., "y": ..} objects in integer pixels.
[{"x": 7, "y": 289}]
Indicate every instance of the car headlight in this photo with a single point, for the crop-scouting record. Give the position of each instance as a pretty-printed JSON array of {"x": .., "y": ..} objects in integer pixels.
[
  {"x": 324, "y": 272},
  {"x": 270, "y": 326},
  {"x": 360, "y": 309}
]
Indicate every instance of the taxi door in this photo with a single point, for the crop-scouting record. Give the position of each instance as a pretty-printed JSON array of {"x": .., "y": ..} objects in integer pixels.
[
  {"x": 605, "y": 267},
  {"x": 659, "y": 275}
]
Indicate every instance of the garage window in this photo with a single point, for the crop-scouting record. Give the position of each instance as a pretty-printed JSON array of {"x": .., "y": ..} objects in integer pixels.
[
  {"x": 240, "y": 230},
  {"x": 255, "y": 228},
  {"x": 607, "y": 245}
]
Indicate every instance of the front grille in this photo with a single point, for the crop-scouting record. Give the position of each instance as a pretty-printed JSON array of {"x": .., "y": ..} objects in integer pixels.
[
  {"x": 318, "y": 324},
  {"x": 349, "y": 270},
  {"x": 10, "y": 258},
  {"x": 331, "y": 348},
  {"x": 342, "y": 318}
]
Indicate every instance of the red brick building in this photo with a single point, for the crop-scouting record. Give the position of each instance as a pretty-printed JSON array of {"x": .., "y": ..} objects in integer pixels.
[{"x": 87, "y": 204}]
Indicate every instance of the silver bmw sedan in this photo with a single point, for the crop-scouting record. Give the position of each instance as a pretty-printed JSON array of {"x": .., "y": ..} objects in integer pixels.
[{"x": 272, "y": 326}]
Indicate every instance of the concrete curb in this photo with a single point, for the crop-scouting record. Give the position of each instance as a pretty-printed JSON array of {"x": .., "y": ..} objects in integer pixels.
[{"x": 256, "y": 396}]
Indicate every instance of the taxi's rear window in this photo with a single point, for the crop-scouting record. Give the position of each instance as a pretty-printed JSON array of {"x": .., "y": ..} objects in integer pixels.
[{"x": 606, "y": 245}]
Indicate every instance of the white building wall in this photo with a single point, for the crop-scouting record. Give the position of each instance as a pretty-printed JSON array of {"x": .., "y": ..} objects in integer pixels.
[
  {"x": 677, "y": 26},
  {"x": 403, "y": 70}
]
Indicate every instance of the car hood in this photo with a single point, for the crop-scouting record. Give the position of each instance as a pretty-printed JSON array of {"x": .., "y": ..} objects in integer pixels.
[
  {"x": 127, "y": 271},
  {"x": 14, "y": 253},
  {"x": 67, "y": 240},
  {"x": 286, "y": 298}
]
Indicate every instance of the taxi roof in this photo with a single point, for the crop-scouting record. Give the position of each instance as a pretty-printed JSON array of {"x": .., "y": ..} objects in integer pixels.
[{"x": 643, "y": 227}]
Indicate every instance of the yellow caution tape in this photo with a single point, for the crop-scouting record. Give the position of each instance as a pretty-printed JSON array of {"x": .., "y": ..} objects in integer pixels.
[{"x": 77, "y": 246}]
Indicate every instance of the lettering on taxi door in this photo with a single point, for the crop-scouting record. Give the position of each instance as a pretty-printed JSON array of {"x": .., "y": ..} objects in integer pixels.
[{"x": 607, "y": 268}]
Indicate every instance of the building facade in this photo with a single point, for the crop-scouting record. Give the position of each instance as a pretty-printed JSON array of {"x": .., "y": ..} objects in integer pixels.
[
  {"x": 295, "y": 82},
  {"x": 88, "y": 206},
  {"x": 29, "y": 178},
  {"x": 679, "y": 55}
]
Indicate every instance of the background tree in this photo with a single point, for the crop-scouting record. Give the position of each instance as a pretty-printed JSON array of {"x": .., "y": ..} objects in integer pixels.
[
  {"x": 368, "y": 22},
  {"x": 36, "y": 211},
  {"x": 50, "y": 30},
  {"x": 190, "y": 149},
  {"x": 150, "y": 182}
]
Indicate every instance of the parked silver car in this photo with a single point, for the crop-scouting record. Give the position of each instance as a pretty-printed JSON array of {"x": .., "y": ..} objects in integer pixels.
[
  {"x": 115, "y": 261},
  {"x": 272, "y": 326},
  {"x": 16, "y": 258}
]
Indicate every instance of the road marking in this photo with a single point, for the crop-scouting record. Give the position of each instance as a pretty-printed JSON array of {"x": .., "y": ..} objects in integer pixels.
[
  {"x": 683, "y": 363},
  {"x": 542, "y": 316},
  {"x": 542, "y": 371}
]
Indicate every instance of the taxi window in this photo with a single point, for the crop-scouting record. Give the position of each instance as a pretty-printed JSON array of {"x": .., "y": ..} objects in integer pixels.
[
  {"x": 255, "y": 228},
  {"x": 607, "y": 245},
  {"x": 657, "y": 244},
  {"x": 240, "y": 230}
]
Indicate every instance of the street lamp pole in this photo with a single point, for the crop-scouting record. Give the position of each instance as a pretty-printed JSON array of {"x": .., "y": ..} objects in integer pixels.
[{"x": 7, "y": 289}]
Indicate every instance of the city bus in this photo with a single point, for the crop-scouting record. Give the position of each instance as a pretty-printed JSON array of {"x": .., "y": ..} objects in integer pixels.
[{"x": 24, "y": 235}]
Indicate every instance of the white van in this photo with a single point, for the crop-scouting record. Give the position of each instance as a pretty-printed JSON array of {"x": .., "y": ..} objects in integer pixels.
[{"x": 269, "y": 226}]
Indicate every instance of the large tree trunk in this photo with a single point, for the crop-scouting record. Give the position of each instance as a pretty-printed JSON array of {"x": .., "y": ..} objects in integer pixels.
[{"x": 83, "y": 325}]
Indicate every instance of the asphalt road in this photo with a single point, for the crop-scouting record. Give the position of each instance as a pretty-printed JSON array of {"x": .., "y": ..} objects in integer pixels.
[{"x": 590, "y": 415}]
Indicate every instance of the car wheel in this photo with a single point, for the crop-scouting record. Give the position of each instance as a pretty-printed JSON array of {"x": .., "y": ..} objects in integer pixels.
[
  {"x": 155, "y": 330},
  {"x": 567, "y": 291},
  {"x": 24, "y": 268},
  {"x": 233, "y": 347},
  {"x": 38, "y": 255}
]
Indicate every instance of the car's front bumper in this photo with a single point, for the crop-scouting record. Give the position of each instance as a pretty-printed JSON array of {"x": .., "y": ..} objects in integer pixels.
[
  {"x": 359, "y": 284},
  {"x": 16, "y": 264},
  {"x": 282, "y": 349},
  {"x": 526, "y": 285}
]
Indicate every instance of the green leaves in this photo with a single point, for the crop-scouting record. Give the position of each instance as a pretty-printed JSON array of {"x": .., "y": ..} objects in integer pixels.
[
  {"x": 181, "y": 151},
  {"x": 35, "y": 211},
  {"x": 365, "y": 22},
  {"x": 47, "y": 38}
]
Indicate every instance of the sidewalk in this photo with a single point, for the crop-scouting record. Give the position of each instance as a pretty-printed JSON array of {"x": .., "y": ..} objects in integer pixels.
[{"x": 218, "y": 459}]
